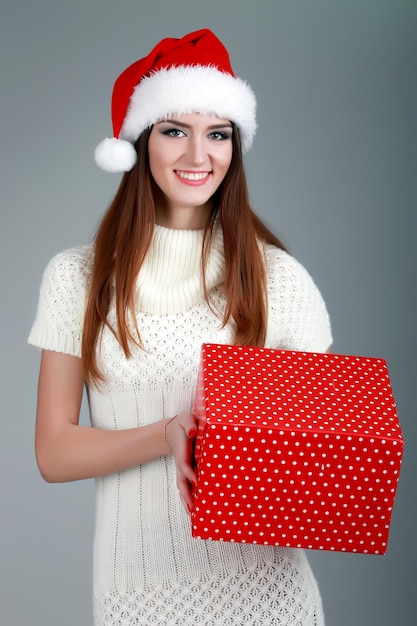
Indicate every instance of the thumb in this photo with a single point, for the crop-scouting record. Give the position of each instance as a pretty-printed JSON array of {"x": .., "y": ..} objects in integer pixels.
[
  {"x": 192, "y": 432},
  {"x": 189, "y": 424}
]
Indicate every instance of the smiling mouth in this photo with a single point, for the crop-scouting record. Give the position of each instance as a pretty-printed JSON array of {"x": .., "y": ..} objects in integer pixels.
[{"x": 192, "y": 175}]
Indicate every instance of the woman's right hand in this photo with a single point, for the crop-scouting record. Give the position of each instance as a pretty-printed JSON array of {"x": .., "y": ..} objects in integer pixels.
[{"x": 180, "y": 433}]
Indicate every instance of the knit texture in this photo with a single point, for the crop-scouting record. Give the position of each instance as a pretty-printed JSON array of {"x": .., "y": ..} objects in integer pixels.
[
  {"x": 147, "y": 567},
  {"x": 170, "y": 277}
]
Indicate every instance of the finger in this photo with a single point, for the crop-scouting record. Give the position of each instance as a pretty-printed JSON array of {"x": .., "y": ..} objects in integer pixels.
[
  {"x": 189, "y": 424},
  {"x": 184, "y": 488},
  {"x": 187, "y": 507},
  {"x": 188, "y": 473},
  {"x": 192, "y": 432}
]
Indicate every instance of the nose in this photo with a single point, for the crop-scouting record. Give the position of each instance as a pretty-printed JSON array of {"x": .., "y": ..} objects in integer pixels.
[{"x": 197, "y": 150}]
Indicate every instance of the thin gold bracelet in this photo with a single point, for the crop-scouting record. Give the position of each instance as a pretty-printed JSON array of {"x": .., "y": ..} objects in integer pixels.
[{"x": 165, "y": 431}]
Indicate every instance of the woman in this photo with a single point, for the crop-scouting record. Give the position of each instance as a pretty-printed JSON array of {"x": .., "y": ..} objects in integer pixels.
[{"x": 179, "y": 259}]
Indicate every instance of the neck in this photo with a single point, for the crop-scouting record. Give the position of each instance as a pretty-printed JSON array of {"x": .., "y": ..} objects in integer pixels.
[
  {"x": 170, "y": 279},
  {"x": 182, "y": 217}
]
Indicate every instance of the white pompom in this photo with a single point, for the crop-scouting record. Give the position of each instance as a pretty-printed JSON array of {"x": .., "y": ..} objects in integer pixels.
[{"x": 115, "y": 155}]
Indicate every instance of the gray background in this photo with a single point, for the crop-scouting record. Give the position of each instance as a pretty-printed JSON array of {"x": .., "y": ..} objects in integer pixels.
[{"x": 333, "y": 170}]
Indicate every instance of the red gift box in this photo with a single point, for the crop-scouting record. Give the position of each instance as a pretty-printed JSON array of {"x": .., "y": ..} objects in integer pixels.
[{"x": 295, "y": 449}]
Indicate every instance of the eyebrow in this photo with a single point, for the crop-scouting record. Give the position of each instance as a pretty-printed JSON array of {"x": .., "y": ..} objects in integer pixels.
[{"x": 211, "y": 127}]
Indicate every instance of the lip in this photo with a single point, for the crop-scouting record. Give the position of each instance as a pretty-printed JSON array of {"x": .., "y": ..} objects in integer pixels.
[{"x": 190, "y": 181}]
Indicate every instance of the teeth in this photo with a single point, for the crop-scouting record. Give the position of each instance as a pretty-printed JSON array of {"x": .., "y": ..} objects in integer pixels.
[{"x": 193, "y": 175}]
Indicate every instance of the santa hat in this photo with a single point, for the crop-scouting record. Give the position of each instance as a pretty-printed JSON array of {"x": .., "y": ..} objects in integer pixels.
[{"x": 188, "y": 75}]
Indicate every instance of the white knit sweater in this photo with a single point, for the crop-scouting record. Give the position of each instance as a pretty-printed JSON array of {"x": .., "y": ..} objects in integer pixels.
[{"x": 147, "y": 567}]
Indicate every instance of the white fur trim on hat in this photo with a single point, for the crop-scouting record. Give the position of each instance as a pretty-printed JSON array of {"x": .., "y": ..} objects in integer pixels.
[
  {"x": 191, "y": 89},
  {"x": 115, "y": 155}
]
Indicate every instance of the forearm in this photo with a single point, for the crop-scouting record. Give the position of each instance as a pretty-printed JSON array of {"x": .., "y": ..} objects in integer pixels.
[{"x": 77, "y": 452}]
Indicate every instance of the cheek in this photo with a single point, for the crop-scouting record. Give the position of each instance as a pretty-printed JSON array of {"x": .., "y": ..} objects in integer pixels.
[
  {"x": 228, "y": 156},
  {"x": 152, "y": 165},
  {"x": 156, "y": 164},
  {"x": 155, "y": 153},
  {"x": 225, "y": 161}
]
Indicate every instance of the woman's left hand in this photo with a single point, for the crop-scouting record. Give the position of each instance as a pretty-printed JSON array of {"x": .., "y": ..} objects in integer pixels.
[{"x": 180, "y": 433}]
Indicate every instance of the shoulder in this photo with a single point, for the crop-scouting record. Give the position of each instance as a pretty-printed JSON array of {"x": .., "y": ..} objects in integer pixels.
[
  {"x": 68, "y": 272},
  {"x": 72, "y": 263},
  {"x": 298, "y": 317},
  {"x": 286, "y": 269},
  {"x": 61, "y": 304}
]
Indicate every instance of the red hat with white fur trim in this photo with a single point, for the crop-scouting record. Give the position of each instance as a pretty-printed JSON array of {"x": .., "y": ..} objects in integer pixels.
[{"x": 188, "y": 75}]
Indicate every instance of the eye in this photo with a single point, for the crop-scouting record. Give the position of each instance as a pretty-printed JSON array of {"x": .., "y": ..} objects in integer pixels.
[
  {"x": 219, "y": 135},
  {"x": 173, "y": 132}
]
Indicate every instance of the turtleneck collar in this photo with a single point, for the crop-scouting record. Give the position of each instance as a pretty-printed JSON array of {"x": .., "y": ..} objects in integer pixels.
[{"x": 170, "y": 279}]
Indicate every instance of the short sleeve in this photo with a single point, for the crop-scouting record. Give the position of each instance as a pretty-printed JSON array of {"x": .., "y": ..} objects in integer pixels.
[
  {"x": 298, "y": 317},
  {"x": 59, "y": 318}
]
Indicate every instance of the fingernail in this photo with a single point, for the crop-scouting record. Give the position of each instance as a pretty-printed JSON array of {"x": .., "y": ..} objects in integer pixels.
[{"x": 192, "y": 432}]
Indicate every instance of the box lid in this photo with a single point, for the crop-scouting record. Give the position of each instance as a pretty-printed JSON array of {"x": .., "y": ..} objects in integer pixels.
[{"x": 297, "y": 390}]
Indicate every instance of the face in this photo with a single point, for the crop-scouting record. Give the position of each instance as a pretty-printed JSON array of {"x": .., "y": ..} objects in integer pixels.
[{"x": 189, "y": 156}]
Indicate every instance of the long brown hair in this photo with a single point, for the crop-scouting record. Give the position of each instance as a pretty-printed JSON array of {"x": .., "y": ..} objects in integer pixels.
[{"x": 124, "y": 237}]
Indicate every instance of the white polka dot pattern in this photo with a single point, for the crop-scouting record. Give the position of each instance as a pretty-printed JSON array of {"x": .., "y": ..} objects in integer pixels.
[{"x": 295, "y": 449}]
